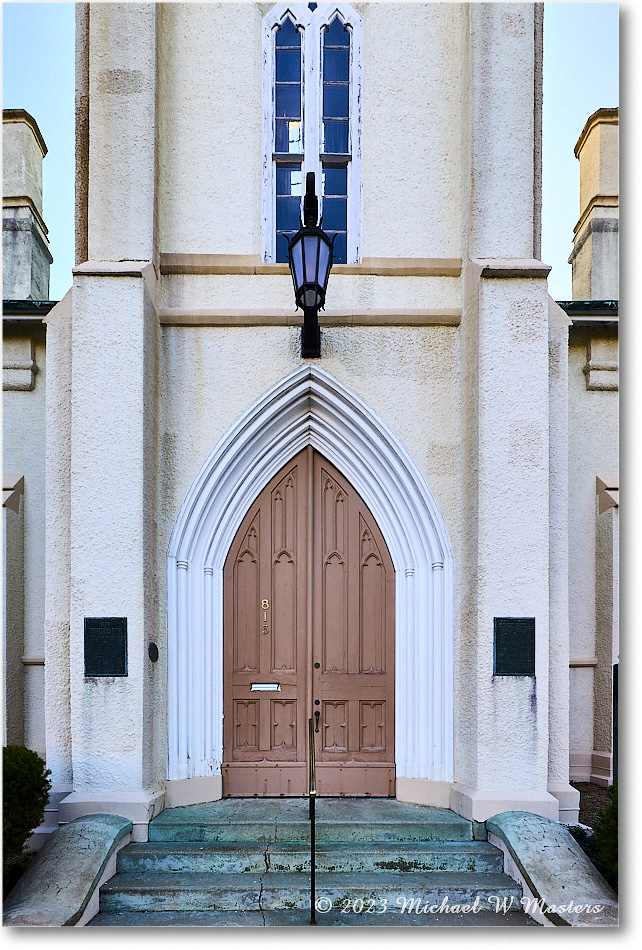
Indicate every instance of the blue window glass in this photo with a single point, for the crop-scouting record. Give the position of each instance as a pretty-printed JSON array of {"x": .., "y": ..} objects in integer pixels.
[
  {"x": 288, "y": 100},
  {"x": 288, "y": 35},
  {"x": 289, "y": 188},
  {"x": 335, "y": 100},
  {"x": 288, "y": 129},
  {"x": 335, "y": 136},
  {"x": 334, "y": 181},
  {"x": 334, "y": 214},
  {"x": 288, "y": 65},
  {"x": 336, "y": 65},
  {"x": 288, "y": 136},
  {"x": 336, "y": 88},
  {"x": 336, "y": 34}
]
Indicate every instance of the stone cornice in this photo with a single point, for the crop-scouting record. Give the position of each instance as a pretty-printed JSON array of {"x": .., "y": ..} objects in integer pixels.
[
  {"x": 21, "y": 201},
  {"x": 511, "y": 267},
  {"x": 601, "y": 117},
  {"x": 600, "y": 201},
  {"x": 20, "y": 115}
]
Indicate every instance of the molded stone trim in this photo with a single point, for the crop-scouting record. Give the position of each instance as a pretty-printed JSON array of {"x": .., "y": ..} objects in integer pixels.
[
  {"x": 252, "y": 264},
  {"x": 517, "y": 267},
  {"x": 310, "y": 407},
  {"x": 281, "y": 317}
]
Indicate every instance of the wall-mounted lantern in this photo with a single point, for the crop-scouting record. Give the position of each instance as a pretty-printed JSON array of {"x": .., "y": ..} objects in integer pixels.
[{"x": 310, "y": 258}]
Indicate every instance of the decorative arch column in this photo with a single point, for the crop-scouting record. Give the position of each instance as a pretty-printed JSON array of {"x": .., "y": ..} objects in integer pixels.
[{"x": 310, "y": 407}]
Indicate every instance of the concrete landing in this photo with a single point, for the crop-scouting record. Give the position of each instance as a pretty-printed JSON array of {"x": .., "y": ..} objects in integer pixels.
[{"x": 286, "y": 819}]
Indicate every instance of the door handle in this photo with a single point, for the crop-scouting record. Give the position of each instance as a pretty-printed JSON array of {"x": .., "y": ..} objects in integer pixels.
[{"x": 316, "y": 720}]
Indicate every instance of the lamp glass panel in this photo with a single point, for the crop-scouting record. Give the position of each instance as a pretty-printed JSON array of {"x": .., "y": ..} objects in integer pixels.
[
  {"x": 310, "y": 252},
  {"x": 324, "y": 261},
  {"x": 297, "y": 264}
]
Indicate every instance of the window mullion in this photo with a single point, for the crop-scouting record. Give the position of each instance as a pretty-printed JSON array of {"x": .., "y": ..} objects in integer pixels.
[{"x": 311, "y": 102}]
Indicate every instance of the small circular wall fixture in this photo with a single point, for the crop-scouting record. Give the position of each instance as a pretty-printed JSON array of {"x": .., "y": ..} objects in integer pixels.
[{"x": 153, "y": 652}]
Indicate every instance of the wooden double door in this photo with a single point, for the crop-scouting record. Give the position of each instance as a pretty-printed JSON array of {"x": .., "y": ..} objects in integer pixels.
[{"x": 308, "y": 633}]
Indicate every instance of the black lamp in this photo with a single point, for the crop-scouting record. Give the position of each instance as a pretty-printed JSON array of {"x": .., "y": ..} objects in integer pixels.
[{"x": 310, "y": 257}]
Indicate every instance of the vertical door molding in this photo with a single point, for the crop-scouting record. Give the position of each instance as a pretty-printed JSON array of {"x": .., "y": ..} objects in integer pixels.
[{"x": 310, "y": 407}]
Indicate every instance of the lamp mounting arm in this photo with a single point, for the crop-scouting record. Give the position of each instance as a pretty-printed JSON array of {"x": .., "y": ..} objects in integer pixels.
[{"x": 310, "y": 203}]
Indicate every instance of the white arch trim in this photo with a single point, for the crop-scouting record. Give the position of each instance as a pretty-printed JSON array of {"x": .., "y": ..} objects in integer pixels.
[{"x": 310, "y": 407}]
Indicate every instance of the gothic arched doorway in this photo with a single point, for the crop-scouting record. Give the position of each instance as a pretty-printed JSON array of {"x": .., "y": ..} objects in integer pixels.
[{"x": 308, "y": 631}]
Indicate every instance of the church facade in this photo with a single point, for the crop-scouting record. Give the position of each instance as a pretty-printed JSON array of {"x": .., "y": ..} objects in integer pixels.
[{"x": 239, "y": 539}]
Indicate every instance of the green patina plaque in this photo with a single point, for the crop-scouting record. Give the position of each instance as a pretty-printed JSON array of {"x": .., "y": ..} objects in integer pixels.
[
  {"x": 105, "y": 646},
  {"x": 514, "y": 646}
]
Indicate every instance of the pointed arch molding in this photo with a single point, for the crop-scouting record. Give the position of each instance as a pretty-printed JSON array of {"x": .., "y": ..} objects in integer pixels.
[{"x": 310, "y": 407}]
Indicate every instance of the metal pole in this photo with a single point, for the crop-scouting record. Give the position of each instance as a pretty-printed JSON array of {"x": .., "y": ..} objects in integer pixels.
[
  {"x": 310, "y": 334},
  {"x": 313, "y": 918}
]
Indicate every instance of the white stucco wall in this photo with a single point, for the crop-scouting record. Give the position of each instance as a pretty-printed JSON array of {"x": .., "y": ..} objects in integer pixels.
[
  {"x": 24, "y": 454},
  {"x": 470, "y": 403},
  {"x": 593, "y": 451},
  {"x": 210, "y": 126}
]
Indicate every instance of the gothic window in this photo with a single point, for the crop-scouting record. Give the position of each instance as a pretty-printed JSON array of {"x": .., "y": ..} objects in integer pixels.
[{"x": 312, "y": 82}]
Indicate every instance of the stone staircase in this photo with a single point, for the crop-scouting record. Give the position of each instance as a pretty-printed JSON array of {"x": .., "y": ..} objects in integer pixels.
[{"x": 246, "y": 862}]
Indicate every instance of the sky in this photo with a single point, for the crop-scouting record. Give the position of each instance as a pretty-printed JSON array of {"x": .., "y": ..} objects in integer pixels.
[{"x": 580, "y": 76}]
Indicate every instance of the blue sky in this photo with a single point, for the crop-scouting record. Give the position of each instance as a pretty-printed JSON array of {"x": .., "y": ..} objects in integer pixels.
[{"x": 580, "y": 76}]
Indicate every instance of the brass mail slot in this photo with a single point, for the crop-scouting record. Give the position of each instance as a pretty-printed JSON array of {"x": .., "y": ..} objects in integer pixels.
[{"x": 266, "y": 687}]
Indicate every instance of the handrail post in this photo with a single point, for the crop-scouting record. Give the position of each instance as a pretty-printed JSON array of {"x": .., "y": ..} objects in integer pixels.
[{"x": 312, "y": 794}]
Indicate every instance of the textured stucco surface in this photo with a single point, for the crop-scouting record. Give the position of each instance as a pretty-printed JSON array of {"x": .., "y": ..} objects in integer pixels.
[
  {"x": 112, "y": 461},
  {"x": 502, "y": 117},
  {"x": 13, "y": 624},
  {"x": 505, "y": 569},
  {"x": 211, "y": 375},
  {"x": 344, "y": 291},
  {"x": 558, "y": 546},
  {"x": 593, "y": 451},
  {"x": 606, "y": 626},
  {"x": 413, "y": 184},
  {"x": 24, "y": 454},
  {"x": 122, "y": 154},
  {"x": 210, "y": 124},
  {"x": 57, "y": 545}
]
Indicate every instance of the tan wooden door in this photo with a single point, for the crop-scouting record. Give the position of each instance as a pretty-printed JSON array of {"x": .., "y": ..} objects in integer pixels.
[{"x": 309, "y": 632}]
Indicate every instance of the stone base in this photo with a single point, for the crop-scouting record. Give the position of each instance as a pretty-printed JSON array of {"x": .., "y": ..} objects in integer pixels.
[
  {"x": 193, "y": 791},
  {"x": 139, "y": 807},
  {"x": 569, "y": 802},
  {"x": 476, "y": 805},
  {"x": 423, "y": 792},
  {"x": 591, "y": 766}
]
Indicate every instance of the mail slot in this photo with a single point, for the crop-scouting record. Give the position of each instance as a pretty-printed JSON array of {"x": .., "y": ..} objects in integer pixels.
[{"x": 266, "y": 687}]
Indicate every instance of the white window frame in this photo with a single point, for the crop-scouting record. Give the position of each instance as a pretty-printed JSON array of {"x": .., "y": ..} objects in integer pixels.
[{"x": 310, "y": 24}]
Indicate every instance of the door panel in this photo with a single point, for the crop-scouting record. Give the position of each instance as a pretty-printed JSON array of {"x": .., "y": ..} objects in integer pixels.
[{"x": 308, "y": 606}]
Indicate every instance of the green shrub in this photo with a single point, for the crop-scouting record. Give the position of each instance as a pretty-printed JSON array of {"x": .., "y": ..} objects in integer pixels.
[
  {"x": 25, "y": 792},
  {"x": 606, "y": 839},
  {"x": 601, "y": 846}
]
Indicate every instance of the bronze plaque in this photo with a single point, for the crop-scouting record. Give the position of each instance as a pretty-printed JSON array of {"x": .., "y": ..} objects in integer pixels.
[
  {"x": 514, "y": 646},
  {"x": 105, "y": 646}
]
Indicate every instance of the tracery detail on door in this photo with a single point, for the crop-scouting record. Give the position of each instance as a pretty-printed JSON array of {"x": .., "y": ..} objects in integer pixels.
[{"x": 309, "y": 627}]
